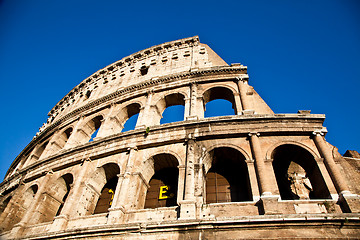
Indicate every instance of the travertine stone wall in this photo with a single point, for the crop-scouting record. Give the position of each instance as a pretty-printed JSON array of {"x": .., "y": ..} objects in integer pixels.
[{"x": 54, "y": 185}]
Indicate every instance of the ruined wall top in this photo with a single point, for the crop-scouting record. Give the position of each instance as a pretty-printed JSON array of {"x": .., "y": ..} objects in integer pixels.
[{"x": 160, "y": 60}]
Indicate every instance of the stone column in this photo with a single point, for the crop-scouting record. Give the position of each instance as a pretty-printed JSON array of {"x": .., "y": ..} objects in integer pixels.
[
  {"x": 19, "y": 228},
  {"x": 60, "y": 222},
  {"x": 270, "y": 202},
  {"x": 243, "y": 86},
  {"x": 330, "y": 164},
  {"x": 259, "y": 164},
  {"x": 188, "y": 204},
  {"x": 350, "y": 202}
]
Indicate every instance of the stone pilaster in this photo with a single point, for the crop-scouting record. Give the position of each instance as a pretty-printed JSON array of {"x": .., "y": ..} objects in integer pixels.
[
  {"x": 121, "y": 200},
  {"x": 60, "y": 222},
  {"x": 72, "y": 141},
  {"x": 145, "y": 116},
  {"x": 194, "y": 113},
  {"x": 188, "y": 204},
  {"x": 105, "y": 127},
  {"x": 19, "y": 228}
]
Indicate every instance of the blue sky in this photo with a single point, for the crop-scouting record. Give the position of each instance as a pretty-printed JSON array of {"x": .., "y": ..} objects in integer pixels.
[{"x": 300, "y": 54}]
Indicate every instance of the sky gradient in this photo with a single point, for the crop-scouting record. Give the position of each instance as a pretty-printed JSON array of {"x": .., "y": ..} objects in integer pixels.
[{"x": 300, "y": 54}]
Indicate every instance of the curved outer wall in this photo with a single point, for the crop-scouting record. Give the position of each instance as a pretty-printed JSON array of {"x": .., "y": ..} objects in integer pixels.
[{"x": 254, "y": 174}]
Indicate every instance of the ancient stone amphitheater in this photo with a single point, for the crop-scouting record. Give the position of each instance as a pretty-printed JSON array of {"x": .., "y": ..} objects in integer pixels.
[{"x": 253, "y": 174}]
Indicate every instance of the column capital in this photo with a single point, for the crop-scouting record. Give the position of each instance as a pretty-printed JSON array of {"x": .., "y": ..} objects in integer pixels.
[
  {"x": 253, "y": 134},
  {"x": 244, "y": 78},
  {"x": 129, "y": 149},
  {"x": 321, "y": 132}
]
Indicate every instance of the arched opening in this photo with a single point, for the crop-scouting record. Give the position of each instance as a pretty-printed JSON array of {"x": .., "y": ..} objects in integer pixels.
[
  {"x": 93, "y": 127},
  {"x": 68, "y": 179},
  {"x": 4, "y": 204},
  {"x": 163, "y": 183},
  {"x": 297, "y": 174},
  {"x": 130, "y": 116},
  {"x": 18, "y": 210},
  {"x": 106, "y": 179},
  {"x": 58, "y": 143},
  {"x": 87, "y": 94},
  {"x": 173, "y": 114},
  {"x": 228, "y": 178},
  {"x": 54, "y": 198},
  {"x": 219, "y": 101},
  {"x": 38, "y": 151},
  {"x": 29, "y": 196},
  {"x": 171, "y": 108}
]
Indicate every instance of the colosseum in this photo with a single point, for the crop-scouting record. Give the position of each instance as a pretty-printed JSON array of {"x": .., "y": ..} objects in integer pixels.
[{"x": 250, "y": 175}]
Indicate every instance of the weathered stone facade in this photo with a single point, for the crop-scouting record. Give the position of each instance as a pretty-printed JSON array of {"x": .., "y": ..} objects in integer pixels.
[{"x": 254, "y": 174}]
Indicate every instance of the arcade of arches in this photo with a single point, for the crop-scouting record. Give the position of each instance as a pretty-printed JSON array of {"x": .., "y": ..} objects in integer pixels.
[{"x": 226, "y": 178}]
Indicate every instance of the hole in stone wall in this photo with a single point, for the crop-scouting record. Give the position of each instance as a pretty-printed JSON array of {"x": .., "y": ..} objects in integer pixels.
[
  {"x": 144, "y": 70},
  {"x": 87, "y": 95}
]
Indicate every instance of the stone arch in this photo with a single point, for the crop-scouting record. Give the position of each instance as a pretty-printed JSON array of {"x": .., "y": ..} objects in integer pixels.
[
  {"x": 271, "y": 149},
  {"x": 87, "y": 131},
  {"x": 297, "y": 174},
  {"x": 162, "y": 150},
  {"x": 38, "y": 151},
  {"x": 59, "y": 140},
  {"x": 219, "y": 92},
  {"x": 101, "y": 188},
  {"x": 162, "y": 175},
  {"x": 227, "y": 180},
  {"x": 166, "y": 101},
  {"x": 118, "y": 121},
  {"x": 4, "y": 204},
  {"x": 207, "y": 160},
  {"x": 19, "y": 208},
  {"x": 53, "y": 199}
]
